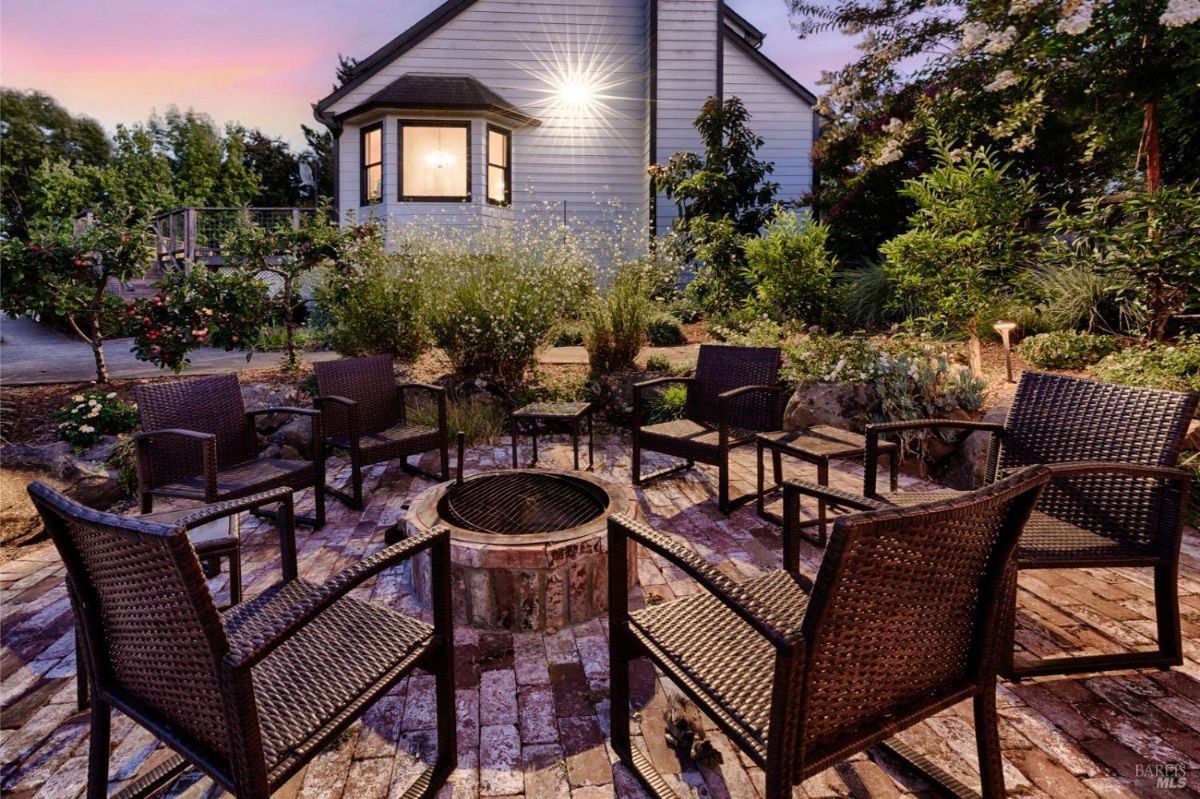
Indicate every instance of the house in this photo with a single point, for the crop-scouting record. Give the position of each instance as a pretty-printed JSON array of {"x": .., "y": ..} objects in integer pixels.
[{"x": 489, "y": 109}]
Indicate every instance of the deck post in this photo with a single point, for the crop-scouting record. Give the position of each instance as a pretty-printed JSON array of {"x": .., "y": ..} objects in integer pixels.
[
  {"x": 189, "y": 236},
  {"x": 295, "y": 219}
]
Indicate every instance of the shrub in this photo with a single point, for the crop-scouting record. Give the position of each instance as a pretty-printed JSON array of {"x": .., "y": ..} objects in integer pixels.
[
  {"x": 666, "y": 405},
  {"x": 375, "y": 301},
  {"x": 1065, "y": 349},
  {"x": 1175, "y": 367},
  {"x": 617, "y": 324},
  {"x": 790, "y": 270},
  {"x": 569, "y": 333},
  {"x": 93, "y": 414},
  {"x": 664, "y": 330},
  {"x": 1073, "y": 296},
  {"x": 658, "y": 363}
]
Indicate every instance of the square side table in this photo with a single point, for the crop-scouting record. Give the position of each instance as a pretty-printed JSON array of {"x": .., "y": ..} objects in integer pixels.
[
  {"x": 816, "y": 445},
  {"x": 542, "y": 413}
]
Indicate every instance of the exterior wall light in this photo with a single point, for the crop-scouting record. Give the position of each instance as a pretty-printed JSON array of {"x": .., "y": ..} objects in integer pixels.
[{"x": 1005, "y": 330}]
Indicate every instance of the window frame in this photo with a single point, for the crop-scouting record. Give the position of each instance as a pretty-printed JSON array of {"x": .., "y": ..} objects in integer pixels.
[
  {"x": 401, "y": 124},
  {"x": 487, "y": 166},
  {"x": 363, "y": 166}
]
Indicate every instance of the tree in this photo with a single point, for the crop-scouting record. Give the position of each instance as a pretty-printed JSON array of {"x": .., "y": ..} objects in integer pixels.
[
  {"x": 65, "y": 275},
  {"x": 288, "y": 255},
  {"x": 790, "y": 269},
  {"x": 965, "y": 241},
  {"x": 34, "y": 128},
  {"x": 319, "y": 157},
  {"x": 345, "y": 70},
  {"x": 721, "y": 196},
  {"x": 277, "y": 167}
]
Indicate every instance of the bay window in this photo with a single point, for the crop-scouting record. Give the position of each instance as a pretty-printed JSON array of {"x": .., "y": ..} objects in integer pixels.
[
  {"x": 371, "y": 177},
  {"x": 499, "y": 166}
]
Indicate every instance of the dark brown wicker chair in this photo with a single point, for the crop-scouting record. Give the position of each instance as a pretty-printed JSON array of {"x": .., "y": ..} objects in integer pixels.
[
  {"x": 198, "y": 441},
  {"x": 364, "y": 414},
  {"x": 250, "y": 695},
  {"x": 1115, "y": 499},
  {"x": 904, "y": 620},
  {"x": 734, "y": 395}
]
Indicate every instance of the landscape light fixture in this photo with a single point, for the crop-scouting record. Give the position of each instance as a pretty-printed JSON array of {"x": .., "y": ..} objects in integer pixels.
[{"x": 1005, "y": 330}]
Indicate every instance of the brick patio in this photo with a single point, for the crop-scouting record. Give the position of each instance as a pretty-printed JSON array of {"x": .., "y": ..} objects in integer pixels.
[{"x": 533, "y": 708}]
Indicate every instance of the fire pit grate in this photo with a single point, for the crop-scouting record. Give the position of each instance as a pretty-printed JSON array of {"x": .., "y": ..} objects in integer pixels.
[{"x": 520, "y": 503}]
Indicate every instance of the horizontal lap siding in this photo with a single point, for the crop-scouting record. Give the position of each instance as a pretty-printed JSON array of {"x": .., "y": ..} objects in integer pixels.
[
  {"x": 783, "y": 120},
  {"x": 512, "y": 47},
  {"x": 687, "y": 76}
]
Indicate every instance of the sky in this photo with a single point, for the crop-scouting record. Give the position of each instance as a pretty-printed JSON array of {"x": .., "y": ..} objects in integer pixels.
[{"x": 258, "y": 62}]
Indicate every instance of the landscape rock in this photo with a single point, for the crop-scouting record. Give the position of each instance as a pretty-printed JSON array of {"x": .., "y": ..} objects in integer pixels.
[
  {"x": 843, "y": 405},
  {"x": 265, "y": 395},
  {"x": 295, "y": 436},
  {"x": 1192, "y": 440},
  {"x": 965, "y": 468}
]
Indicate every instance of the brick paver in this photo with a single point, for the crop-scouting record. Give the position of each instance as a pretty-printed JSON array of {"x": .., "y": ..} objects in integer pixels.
[{"x": 533, "y": 708}]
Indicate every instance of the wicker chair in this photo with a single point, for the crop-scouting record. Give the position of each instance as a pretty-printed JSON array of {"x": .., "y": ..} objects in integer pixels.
[
  {"x": 734, "y": 395},
  {"x": 1115, "y": 499},
  {"x": 364, "y": 414},
  {"x": 249, "y": 695},
  {"x": 903, "y": 621},
  {"x": 198, "y": 441}
]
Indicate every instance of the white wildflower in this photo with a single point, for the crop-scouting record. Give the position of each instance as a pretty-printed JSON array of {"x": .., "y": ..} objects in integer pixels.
[
  {"x": 893, "y": 126},
  {"x": 1003, "y": 81},
  {"x": 1077, "y": 19},
  {"x": 86, "y": 428},
  {"x": 95, "y": 412},
  {"x": 77, "y": 398},
  {"x": 1180, "y": 13},
  {"x": 973, "y": 33},
  {"x": 1021, "y": 143},
  {"x": 111, "y": 395},
  {"x": 1018, "y": 7},
  {"x": 1001, "y": 41},
  {"x": 890, "y": 153},
  {"x": 93, "y": 403}
]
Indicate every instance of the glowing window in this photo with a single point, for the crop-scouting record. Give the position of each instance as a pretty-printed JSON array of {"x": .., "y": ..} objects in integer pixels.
[
  {"x": 435, "y": 161},
  {"x": 371, "y": 179},
  {"x": 499, "y": 166}
]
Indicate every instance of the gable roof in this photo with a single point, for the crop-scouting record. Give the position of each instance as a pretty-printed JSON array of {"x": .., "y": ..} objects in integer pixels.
[
  {"x": 740, "y": 32},
  {"x": 415, "y": 90}
]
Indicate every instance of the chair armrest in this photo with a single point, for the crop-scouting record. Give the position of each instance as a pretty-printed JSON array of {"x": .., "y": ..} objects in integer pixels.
[
  {"x": 432, "y": 389},
  {"x": 658, "y": 381},
  {"x": 284, "y": 409},
  {"x": 246, "y": 651},
  {"x": 1079, "y": 468},
  {"x": 871, "y": 459},
  {"x": 726, "y": 398},
  {"x": 144, "y": 442},
  {"x": 286, "y": 523},
  {"x": 622, "y": 528},
  {"x": 833, "y": 495},
  {"x": 438, "y": 392}
]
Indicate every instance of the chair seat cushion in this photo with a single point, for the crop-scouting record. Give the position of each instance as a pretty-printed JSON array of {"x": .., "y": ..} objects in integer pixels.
[
  {"x": 326, "y": 670},
  {"x": 411, "y": 437},
  {"x": 1048, "y": 542},
  {"x": 719, "y": 653},
  {"x": 247, "y": 478},
  {"x": 683, "y": 435}
]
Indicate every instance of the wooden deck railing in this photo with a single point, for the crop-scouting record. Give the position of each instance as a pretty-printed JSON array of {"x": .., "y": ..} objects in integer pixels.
[{"x": 195, "y": 235}]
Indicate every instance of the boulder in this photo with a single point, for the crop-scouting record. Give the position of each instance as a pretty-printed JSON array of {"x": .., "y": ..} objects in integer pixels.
[
  {"x": 84, "y": 476},
  {"x": 1192, "y": 440},
  {"x": 965, "y": 468},
  {"x": 844, "y": 405},
  {"x": 265, "y": 395},
  {"x": 294, "y": 437}
]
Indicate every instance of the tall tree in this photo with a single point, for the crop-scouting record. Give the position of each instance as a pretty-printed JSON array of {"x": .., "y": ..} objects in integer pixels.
[
  {"x": 277, "y": 167},
  {"x": 319, "y": 158},
  {"x": 34, "y": 128}
]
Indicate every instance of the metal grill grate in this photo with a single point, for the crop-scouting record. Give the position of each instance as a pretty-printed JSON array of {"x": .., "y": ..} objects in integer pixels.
[{"x": 517, "y": 503}]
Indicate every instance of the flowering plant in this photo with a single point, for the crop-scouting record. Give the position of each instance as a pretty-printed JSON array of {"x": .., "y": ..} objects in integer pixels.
[{"x": 93, "y": 414}]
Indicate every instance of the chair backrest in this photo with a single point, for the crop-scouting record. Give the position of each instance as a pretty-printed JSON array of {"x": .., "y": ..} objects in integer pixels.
[
  {"x": 720, "y": 369},
  {"x": 150, "y": 627},
  {"x": 371, "y": 382},
  {"x": 205, "y": 405},
  {"x": 1058, "y": 419},
  {"x": 907, "y": 611}
]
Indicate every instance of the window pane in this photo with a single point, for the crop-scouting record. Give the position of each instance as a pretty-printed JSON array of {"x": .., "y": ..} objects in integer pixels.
[
  {"x": 496, "y": 184},
  {"x": 497, "y": 148},
  {"x": 372, "y": 146},
  {"x": 435, "y": 162},
  {"x": 374, "y": 176}
]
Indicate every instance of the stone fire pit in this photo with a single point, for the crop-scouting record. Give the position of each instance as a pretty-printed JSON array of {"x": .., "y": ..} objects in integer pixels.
[{"x": 529, "y": 547}]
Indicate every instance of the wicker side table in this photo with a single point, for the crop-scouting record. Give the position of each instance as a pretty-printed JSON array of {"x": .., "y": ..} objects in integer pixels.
[
  {"x": 816, "y": 445},
  {"x": 538, "y": 414}
]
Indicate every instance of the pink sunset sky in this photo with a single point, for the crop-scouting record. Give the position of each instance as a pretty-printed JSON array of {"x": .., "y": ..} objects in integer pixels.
[{"x": 261, "y": 63}]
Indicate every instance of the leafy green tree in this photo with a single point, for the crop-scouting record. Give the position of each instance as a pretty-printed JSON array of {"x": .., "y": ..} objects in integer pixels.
[
  {"x": 790, "y": 270},
  {"x": 196, "y": 308},
  {"x": 722, "y": 195},
  {"x": 288, "y": 257},
  {"x": 66, "y": 275},
  {"x": 965, "y": 242},
  {"x": 237, "y": 183},
  {"x": 1150, "y": 237},
  {"x": 34, "y": 128},
  {"x": 319, "y": 158},
  {"x": 345, "y": 70},
  {"x": 277, "y": 167}
]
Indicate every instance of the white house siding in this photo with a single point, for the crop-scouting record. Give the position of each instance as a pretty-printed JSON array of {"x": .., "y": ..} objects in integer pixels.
[
  {"x": 686, "y": 76},
  {"x": 581, "y": 160},
  {"x": 782, "y": 119}
]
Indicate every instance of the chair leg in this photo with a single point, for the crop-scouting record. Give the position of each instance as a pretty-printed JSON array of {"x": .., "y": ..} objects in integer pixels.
[
  {"x": 987, "y": 738},
  {"x": 235, "y": 577},
  {"x": 1166, "y": 610},
  {"x": 81, "y": 679},
  {"x": 147, "y": 502},
  {"x": 447, "y": 757},
  {"x": 637, "y": 463},
  {"x": 356, "y": 480},
  {"x": 319, "y": 502},
  {"x": 101, "y": 732},
  {"x": 445, "y": 453},
  {"x": 723, "y": 484},
  {"x": 618, "y": 694}
]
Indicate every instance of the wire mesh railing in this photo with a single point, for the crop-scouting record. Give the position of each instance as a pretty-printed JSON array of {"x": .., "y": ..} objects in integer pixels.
[{"x": 189, "y": 235}]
